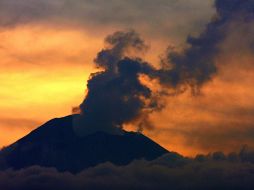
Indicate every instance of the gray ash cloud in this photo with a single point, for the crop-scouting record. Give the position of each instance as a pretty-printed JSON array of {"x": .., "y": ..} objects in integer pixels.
[{"x": 117, "y": 96}]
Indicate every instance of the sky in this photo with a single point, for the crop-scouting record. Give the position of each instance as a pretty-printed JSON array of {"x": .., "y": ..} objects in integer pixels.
[{"x": 47, "y": 49}]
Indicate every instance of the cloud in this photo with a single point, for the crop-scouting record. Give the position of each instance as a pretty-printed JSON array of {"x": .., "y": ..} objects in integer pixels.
[
  {"x": 215, "y": 171},
  {"x": 191, "y": 14},
  {"x": 197, "y": 63},
  {"x": 117, "y": 87}
]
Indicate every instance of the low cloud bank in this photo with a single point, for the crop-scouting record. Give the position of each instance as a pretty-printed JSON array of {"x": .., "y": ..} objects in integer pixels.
[{"x": 213, "y": 171}]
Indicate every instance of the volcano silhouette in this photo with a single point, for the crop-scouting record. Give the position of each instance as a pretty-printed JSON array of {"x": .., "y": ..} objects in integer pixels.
[{"x": 55, "y": 144}]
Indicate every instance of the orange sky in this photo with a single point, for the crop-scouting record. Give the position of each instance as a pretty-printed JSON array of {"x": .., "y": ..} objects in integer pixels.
[
  {"x": 43, "y": 75},
  {"x": 44, "y": 72}
]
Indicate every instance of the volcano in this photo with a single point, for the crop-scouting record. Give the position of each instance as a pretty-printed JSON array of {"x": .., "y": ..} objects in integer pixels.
[{"x": 55, "y": 144}]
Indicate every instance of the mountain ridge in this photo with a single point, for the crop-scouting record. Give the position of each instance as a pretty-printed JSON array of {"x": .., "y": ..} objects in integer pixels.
[{"x": 55, "y": 144}]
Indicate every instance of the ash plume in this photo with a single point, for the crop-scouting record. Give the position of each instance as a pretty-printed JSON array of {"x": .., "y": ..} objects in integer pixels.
[
  {"x": 117, "y": 96},
  {"x": 196, "y": 64}
]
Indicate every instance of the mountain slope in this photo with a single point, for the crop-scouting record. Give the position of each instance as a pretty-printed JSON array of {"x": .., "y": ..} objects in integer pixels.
[{"x": 55, "y": 144}]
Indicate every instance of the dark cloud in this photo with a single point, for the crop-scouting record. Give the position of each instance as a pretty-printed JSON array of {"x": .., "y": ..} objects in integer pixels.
[
  {"x": 197, "y": 63},
  {"x": 116, "y": 95},
  {"x": 191, "y": 14},
  {"x": 214, "y": 171}
]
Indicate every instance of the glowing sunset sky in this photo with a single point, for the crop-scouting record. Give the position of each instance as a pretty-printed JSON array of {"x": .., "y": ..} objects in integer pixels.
[{"x": 47, "y": 49}]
